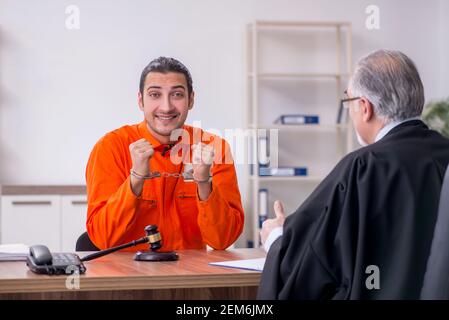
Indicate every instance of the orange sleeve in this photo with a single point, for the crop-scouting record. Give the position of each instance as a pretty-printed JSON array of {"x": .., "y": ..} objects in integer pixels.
[
  {"x": 221, "y": 217},
  {"x": 111, "y": 202}
]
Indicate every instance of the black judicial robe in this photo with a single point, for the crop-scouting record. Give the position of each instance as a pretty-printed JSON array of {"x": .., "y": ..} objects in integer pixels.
[{"x": 377, "y": 207}]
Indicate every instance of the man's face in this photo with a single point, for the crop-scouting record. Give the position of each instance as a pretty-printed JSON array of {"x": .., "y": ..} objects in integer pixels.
[{"x": 165, "y": 102}]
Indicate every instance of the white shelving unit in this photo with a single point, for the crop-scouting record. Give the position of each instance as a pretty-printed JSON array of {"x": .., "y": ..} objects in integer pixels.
[{"x": 297, "y": 68}]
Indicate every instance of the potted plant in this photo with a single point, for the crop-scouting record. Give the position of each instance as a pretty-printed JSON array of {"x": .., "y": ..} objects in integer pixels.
[{"x": 436, "y": 116}]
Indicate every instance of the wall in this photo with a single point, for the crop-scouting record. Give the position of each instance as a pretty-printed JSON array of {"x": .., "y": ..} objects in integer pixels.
[
  {"x": 443, "y": 38},
  {"x": 61, "y": 90}
]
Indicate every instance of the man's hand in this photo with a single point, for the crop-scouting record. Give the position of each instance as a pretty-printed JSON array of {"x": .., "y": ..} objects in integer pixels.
[
  {"x": 202, "y": 159},
  {"x": 141, "y": 152},
  {"x": 270, "y": 224}
]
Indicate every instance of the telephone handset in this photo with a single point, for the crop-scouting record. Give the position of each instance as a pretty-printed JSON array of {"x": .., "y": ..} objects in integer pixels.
[{"x": 41, "y": 260}]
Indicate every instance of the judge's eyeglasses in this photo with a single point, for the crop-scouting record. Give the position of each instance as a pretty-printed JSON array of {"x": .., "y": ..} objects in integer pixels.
[
  {"x": 343, "y": 101},
  {"x": 344, "y": 105}
]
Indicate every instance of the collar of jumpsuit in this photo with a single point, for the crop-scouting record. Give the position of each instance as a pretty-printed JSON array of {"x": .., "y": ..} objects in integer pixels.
[{"x": 157, "y": 146}]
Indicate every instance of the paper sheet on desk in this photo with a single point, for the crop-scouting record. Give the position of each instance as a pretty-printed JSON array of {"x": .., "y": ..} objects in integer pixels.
[
  {"x": 247, "y": 264},
  {"x": 14, "y": 252}
]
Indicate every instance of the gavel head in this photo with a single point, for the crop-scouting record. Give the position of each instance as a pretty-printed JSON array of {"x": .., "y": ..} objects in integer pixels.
[{"x": 154, "y": 237}]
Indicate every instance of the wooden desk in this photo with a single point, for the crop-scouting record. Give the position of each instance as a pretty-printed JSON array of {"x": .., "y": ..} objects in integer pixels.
[{"x": 118, "y": 276}]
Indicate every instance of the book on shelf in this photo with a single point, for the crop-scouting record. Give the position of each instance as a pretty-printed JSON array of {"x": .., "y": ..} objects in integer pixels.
[
  {"x": 263, "y": 158},
  {"x": 263, "y": 205},
  {"x": 295, "y": 119},
  {"x": 282, "y": 171},
  {"x": 262, "y": 154}
]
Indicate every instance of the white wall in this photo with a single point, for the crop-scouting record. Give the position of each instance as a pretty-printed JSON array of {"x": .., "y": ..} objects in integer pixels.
[
  {"x": 443, "y": 23},
  {"x": 61, "y": 90}
]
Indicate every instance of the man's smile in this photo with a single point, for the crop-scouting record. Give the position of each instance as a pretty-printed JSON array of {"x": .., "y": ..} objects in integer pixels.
[{"x": 166, "y": 118}]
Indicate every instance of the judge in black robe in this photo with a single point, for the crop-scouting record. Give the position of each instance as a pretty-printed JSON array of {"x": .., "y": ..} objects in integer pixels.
[{"x": 366, "y": 231}]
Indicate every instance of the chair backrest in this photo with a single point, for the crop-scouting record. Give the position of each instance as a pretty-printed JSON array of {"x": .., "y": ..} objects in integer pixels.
[
  {"x": 436, "y": 278},
  {"x": 85, "y": 244}
]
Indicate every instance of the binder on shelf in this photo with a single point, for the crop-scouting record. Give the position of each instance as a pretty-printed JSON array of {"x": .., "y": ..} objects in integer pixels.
[
  {"x": 263, "y": 151},
  {"x": 298, "y": 119},
  {"x": 251, "y": 155},
  {"x": 282, "y": 171},
  {"x": 263, "y": 206}
]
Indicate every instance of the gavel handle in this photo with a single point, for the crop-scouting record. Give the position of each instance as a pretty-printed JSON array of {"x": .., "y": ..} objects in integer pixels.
[{"x": 113, "y": 249}]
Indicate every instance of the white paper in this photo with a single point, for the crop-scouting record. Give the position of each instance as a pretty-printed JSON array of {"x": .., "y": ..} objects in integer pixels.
[
  {"x": 14, "y": 252},
  {"x": 15, "y": 248},
  {"x": 248, "y": 264}
]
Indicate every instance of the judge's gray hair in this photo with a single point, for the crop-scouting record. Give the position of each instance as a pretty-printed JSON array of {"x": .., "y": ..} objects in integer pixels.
[{"x": 391, "y": 82}]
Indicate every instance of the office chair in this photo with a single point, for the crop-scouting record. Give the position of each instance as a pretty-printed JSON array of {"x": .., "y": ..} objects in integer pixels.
[
  {"x": 436, "y": 278},
  {"x": 85, "y": 244}
]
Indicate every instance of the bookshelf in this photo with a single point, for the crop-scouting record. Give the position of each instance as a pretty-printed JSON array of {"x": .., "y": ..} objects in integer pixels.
[
  {"x": 305, "y": 127},
  {"x": 292, "y": 179},
  {"x": 295, "y": 67}
]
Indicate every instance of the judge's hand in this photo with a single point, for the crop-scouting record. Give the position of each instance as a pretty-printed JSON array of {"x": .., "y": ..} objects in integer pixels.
[
  {"x": 202, "y": 159},
  {"x": 141, "y": 152},
  {"x": 270, "y": 224}
]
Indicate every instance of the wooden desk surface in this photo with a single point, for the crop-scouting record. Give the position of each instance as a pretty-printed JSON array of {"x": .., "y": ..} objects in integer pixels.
[{"x": 118, "y": 271}]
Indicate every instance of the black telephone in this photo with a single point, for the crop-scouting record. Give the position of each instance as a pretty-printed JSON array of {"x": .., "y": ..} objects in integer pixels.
[{"x": 42, "y": 261}]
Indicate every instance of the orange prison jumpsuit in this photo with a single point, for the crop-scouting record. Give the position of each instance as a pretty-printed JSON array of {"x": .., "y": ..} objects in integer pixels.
[{"x": 116, "y": 216}]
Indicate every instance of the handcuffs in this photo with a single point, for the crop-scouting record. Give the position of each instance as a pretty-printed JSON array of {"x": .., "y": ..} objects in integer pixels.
[{"x": 187, "y": 175}]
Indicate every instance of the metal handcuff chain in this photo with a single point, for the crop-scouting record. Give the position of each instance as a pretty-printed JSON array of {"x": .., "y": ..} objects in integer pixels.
[{"x": 187, "y": 175}]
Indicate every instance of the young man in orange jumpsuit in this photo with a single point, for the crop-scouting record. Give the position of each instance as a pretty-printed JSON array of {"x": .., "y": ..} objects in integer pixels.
[{"x": 122, "y": 196}]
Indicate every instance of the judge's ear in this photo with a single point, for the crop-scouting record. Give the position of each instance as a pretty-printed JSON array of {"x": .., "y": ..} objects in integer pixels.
[
  {"x": 191, "y": 100},
  {"x": 140, "y": 100},
  {"x": 366, "y": 109}
]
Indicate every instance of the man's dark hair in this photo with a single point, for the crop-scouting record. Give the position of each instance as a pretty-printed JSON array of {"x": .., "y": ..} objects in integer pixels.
[{"x": 166, "y": 65}]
